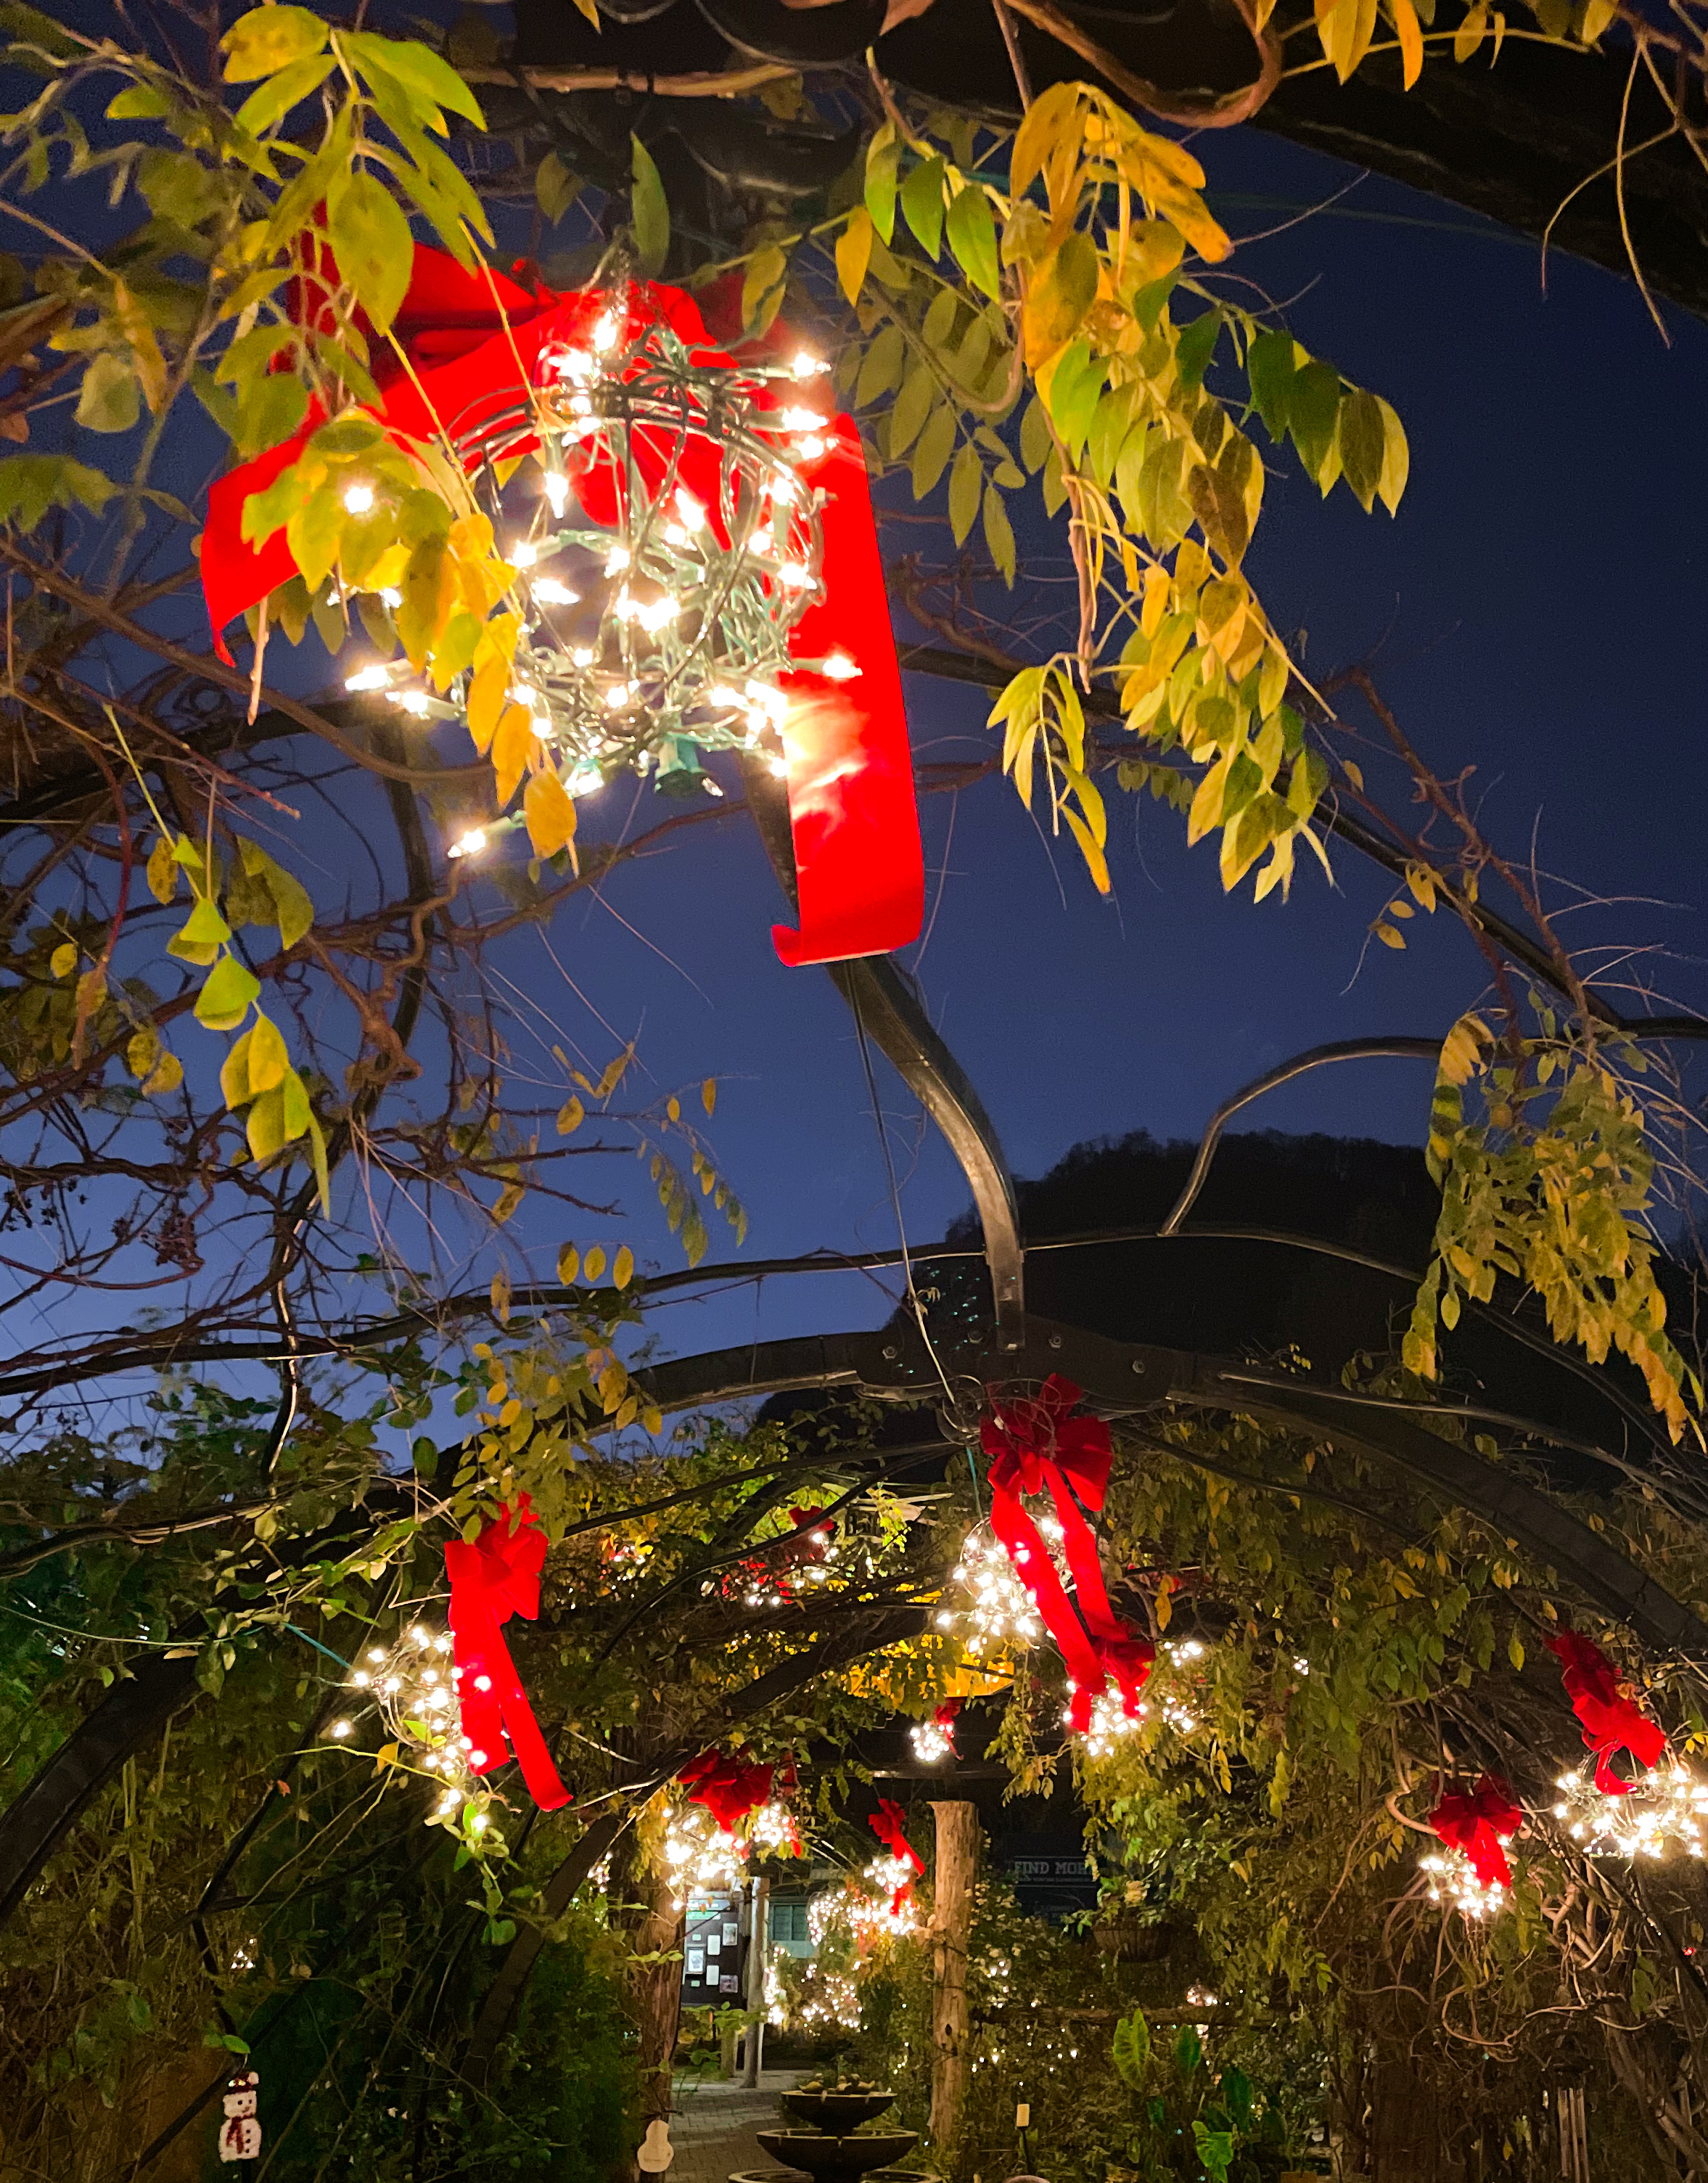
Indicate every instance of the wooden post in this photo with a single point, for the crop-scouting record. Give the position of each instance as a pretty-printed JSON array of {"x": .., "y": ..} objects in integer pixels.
[
  {"x": 952, "y": 1931},
  {"x": 755, "y": 2046}
]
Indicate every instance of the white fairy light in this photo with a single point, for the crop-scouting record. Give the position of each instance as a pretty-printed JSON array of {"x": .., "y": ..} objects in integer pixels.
[
  {"x": 1664, "y": 1812},
  {"x": 551, "y": 593},
  {"x": 839, "y": 668},
  {"x": 605, "y": 334},
  {"x": 341, "y": 1729},
  {"x": 557, "y": 491},
  {"x": 358, "y": 498},
  {"x": 798, "y": 418},
  {"x": 369, "y": 678},
  {"x": 1109, "y": 1723},
  {"x": 996, "y": 1609},
  {"x": 1453, "y": 1880},
  {"x": 931, "y": 1742},
  {"x": 469, "y": 844},
  {"x": 524, "y": 554},
  {"x": 691, "y": 511},
  {"x": 808, "y": 366}
]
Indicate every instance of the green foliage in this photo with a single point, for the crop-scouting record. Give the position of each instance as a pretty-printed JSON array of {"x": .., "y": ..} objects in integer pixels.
[{"x": 1548, "y": 1180}]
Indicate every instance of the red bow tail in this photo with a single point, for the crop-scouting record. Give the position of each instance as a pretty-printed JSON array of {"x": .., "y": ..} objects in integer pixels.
[
  {"x": 492, "y": 1578},
  {"x": 1478, "y": 1821}
]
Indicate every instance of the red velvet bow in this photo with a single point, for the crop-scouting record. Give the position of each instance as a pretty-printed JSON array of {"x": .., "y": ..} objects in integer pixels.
[
  {"x": 946, "y": 1717},
  {"x": 473, "y": 341},
  {"x": 1609, "y": 1720},
  {"x": 1478, "y": 1821},
  {"x": 729, "y": 1785},
  {"x": 888, "y": 1823},
  {"x": 1033, "y": 1444},
  {"x": 492, "y": 1578}
]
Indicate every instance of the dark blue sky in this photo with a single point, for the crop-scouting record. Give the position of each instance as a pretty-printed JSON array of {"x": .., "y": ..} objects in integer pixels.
[{"x": 1532, "y": 612}]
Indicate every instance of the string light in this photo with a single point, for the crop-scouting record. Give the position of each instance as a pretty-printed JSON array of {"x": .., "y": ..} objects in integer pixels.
[
  {"x": 700, "y": 1858},
  {"x": 412, "y": 1684},
  {"x": 931, "y": 1742},
  {"x": 1665, "y": 1811},
  {"x": 632, "y": 640},
  {"x": 996, "y": 1611},
  {"x": 1453, "y": 1880}
]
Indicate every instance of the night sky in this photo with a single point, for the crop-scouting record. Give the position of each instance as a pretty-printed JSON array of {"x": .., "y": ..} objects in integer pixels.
[{"x": 1531, "y": 611}]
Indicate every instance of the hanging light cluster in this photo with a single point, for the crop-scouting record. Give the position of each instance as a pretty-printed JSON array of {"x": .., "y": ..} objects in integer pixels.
[
  {"x": 1663, "y": 1812},
  {"x": 1112, "y": 1721},
  {"x": 412, "y": 1686},
  {"x": 701, "y": 1857},
  {"x": 931, "y": 1743},
  {"x": 1453, "y": 1880},
  {"x": 996, "y": 1612},
  {"x": 886, "y": 1914},
  {"x": 672, "y": 549}
]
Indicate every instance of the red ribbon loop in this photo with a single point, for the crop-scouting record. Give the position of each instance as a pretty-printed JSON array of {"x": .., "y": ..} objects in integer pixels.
[
  {"x": 1610, "y": 1721},
  {"x": 1034, "y": 1445},
  {"x": 729, "y": 1785},
  {"x": 492, "y": 1578},
  {"x": 472, "y": 342},
  {"x": 1478, "y": 1821}
]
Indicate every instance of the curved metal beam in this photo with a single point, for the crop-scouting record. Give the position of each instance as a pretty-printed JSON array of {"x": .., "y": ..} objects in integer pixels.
[
  {"x": 888, "y": 1011},
  {"x": 1121, "y": 1379}
]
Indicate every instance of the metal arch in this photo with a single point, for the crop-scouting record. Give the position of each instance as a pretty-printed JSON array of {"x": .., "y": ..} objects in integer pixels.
[
  {"x": 887, "y": 1008},
  {"x": 1122, "y": 1378}
]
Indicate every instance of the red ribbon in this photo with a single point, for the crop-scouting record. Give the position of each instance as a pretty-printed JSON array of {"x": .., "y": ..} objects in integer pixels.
[
  {"x": 729, "y": 1785},
  {"x": 1036, "y": 1444},
  {"x": 473, "y": 341},
  {"x": 1478, "y": 1821},
  {"x": 946, "y": 1717},
  {"x": 1611, "y": 1722},
  {"x": 492, "y": 1578},
  {"x": 888, "y": 1823}
]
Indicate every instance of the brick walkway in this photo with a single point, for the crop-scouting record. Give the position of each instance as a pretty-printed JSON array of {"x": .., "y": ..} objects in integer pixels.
[{"x": 712, "y": 2124}]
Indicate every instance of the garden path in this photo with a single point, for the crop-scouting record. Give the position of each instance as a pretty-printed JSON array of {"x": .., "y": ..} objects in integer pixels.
[{"x": 713, "y": 2123}]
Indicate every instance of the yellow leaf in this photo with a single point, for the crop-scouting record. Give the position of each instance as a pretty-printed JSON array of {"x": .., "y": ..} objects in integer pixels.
[
  {"x": 549, "y": 812},
  {"x": 1470, "y": 33},
  {"x": 708, "y": 1094},
  {"x": 568, "y": 1264},
  {"x": 163, "y": 871},
  {"x": 267, "y": 1060},
  {"x": 64, "y": 959},
  {"x": 1411, "y": 39},
  {"x": 1390, "y": 936},
  {"x": 1353, "y": 772},
  {"x": 167, "y": 1075},
  {"x": 590, "y": 8},
  {"x": 623, "y": 1271},
  {"x": 854, "y": 253},
  {"x": 511, "y": 746},
  {"x": 1095, "y": 862},
  {"x": 144, "y": 350},
  {"x": 570, "y": 1116},
  {"x": 486, "y": 694},
  {"x": 594, "y": 1264}
]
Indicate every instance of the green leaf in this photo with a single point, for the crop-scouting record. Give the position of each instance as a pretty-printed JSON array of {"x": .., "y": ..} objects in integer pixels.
[
  {"x": 29, "y": 485},
  {"x": 429, "y": 80},
  {"x": 555, "y": 188},
  {"x": 648, "y": 213},
  {"x": 293, "y": 910},
  {"x": 266, "y": 1063},
  {"x": 999, "y": 535},
  {"x": 972, "y": 234},
  {"x": 965, "y": 480},
  {"x": 266, "y": 1125},
  {"x": 1189, "y": 2051},
  {"x": 204, "y": 933},
  {"x": 912, "y": 406},
  {"x": 1362, "y": 445},
  {"x": 883, "y": 155},
  {"x": 881, "y": 366},
  {"x": 1269, "y": 368},
  {"x": 1131, "y": 2049},
  {"x": 1313, "y": 404},
  {"x": 270, "y": 38},
  {"x": 931, "y": 454},
  {"x": 276, "y": 97},
  {"x": 271, "y": 412},
  {"x": 1035, "y": 436},
  {"x": 921, "y": 203},
  {"x": 110, "y": 399},
  {"x": 1396, "y": 459},
  {"x": 1195, "y": 347},
  {"x": 225, "y": 1000},
  {"x": 371, "y": 241}
]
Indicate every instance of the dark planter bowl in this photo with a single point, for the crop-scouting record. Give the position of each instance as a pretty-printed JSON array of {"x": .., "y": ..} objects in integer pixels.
[
  {"x": 832, "y": 2157},
  {"x": 837, "y": 2112}
]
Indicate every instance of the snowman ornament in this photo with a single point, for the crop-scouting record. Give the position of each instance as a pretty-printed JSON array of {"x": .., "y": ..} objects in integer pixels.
[{"x": 239, "y": 2134}]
